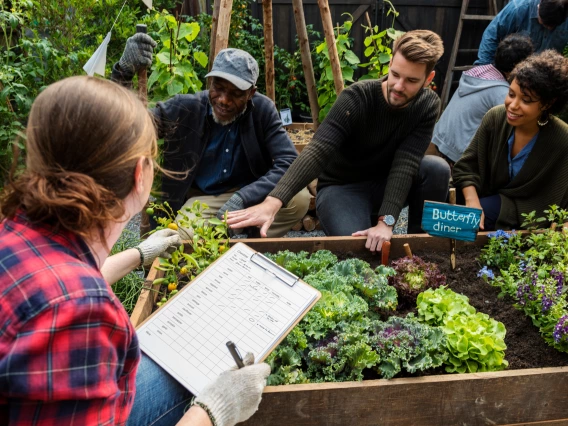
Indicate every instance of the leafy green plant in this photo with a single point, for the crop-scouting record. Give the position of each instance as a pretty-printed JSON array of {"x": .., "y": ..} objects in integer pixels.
[
  {"x": 501, "y": 250},
  {"x": 173, "y": 70},
  {"x": 405, "y": 343},
  {"x": 348, "y": 62},
  {"x": 301, "y": 263},
  {"x": 475, "y": 341},
  {"x": 379, "y": 47},
  {"x": 210, "y": 240},
  {"x": 414, "y": 275}
]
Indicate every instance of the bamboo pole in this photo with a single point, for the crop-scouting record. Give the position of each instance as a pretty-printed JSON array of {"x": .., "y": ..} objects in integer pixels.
[
  {"x": 407, "y": 250},
  {"x": 268, "y": 49},
  {"x": 331, "y": 47},
  {"x": 214, "y": 25},
  {"x": 307, "y": 65}
]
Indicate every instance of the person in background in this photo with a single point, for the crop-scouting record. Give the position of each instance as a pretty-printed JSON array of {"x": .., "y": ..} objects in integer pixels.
[
  {"x": 68, "y": 352},
  {"x": 480, "y": 89},
  {"x": 516, "y": 162},
  {"x": 544, "y": 21},
  {"x": 229, "y": 139},
  {"x": 368, "y": 154}
]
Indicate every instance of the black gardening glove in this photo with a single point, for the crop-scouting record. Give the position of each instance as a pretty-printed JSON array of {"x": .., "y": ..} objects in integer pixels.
[{"x": 137, "y": 53}]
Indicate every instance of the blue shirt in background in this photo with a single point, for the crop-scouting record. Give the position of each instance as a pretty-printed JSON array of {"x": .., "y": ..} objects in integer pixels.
[
  {"x": 520, "y": 16},
  {"x": 515, "y": 164},
  {"x": 224, "y": 165}
]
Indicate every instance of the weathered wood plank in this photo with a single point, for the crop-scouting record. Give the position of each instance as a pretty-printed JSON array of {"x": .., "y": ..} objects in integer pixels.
[
  {"x": 146, "y": 300},
  {"x": 510, "y": 397}
]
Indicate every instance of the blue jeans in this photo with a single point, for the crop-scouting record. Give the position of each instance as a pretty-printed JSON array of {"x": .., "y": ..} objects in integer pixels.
[
  {"x": 344, "y": 209},
  {"x": 160, "y": 400},
  {"x": 491, "y": 208}
]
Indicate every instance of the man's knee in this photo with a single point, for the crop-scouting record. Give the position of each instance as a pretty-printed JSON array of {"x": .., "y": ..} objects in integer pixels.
[
  {"x": 299, "y": 204},
  {"x": 436, "y": 168}
]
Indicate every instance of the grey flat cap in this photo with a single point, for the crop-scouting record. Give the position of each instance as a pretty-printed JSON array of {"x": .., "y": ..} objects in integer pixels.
[{"x": 236, "y": 66}]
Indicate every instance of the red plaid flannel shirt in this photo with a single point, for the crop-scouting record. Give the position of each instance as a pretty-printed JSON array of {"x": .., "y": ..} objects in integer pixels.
[{"x": 68, "y": 352}]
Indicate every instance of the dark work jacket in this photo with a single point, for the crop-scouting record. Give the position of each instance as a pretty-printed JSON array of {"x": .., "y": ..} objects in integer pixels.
[{"x": 185, "y": 126}]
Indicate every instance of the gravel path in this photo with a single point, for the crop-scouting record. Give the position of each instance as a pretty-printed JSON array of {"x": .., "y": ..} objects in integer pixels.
[{"x": 400, "y": 227}]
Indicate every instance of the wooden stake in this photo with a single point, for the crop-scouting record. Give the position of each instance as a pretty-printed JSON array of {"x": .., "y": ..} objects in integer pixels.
[
  {"x": 385, "y": 252},
  {"x": 268, "y": 49},
  {"x": 307, "y": 65},
  {"x": 214, "y": 25},
  {"x": 553, "y": 226},
  {"x": 407, "y": 250},
  {"x": 331, "y": 47},
  {"x": 452, "y": 241},
  {"x": 223, "y": 25}
]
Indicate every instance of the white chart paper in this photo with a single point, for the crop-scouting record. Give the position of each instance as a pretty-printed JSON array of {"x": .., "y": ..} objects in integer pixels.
[{"x": 233, "y": 300}]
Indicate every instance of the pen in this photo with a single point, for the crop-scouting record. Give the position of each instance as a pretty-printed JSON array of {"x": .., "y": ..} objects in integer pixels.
[{"x": 235, "y": 353}]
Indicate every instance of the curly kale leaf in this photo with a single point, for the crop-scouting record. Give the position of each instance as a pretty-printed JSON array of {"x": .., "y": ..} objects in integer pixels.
[
  {"x": 407, "y": 343},
  {"x": 301, "y": 264},
  {"x": 414, "y": 275}
]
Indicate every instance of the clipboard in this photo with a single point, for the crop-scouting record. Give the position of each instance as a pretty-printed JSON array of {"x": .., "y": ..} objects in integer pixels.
[{"x": 242, "y": 297}]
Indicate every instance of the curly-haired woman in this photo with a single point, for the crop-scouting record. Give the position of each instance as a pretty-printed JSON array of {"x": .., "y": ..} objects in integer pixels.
[
  {"x": 516, "y": 162},
  {"x": 68, "y": 352}
]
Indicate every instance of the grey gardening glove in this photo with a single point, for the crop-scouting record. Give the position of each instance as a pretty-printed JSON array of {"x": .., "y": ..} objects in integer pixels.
[
  {"x": 160, "y": 243},
  {"x": 137, "y": 53},
  {"x": 234, "y": 203},
  {"x": 235, "y": 395}
]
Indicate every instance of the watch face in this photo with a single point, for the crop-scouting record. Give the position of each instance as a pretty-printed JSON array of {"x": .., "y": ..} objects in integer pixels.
[{"x": 389, "y": 220}]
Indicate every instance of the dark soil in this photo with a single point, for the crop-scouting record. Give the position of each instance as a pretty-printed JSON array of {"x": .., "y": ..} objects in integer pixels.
[{"x": 525, "y": 347}]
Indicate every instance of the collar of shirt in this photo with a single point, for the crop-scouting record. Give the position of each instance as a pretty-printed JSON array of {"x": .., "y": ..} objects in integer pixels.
[{"x": 516, "y": 163}]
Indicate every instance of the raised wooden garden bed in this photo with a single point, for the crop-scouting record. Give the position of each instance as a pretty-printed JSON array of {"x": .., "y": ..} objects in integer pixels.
[
  {"x": 537, "y": 396},
  {"x": 301, "y": 134}
]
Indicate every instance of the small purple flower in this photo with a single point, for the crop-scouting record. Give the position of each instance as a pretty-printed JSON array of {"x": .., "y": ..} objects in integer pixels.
[
  {"x": 546, "y": 304},
  {"x": 559, "y": 277},
  {"x": 486, "y": 273},
  {"x": 561, "y": 329}
]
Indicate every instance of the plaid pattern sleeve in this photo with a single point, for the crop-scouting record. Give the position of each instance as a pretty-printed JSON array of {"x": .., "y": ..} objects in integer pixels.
[{"x": 68, "y": 353}]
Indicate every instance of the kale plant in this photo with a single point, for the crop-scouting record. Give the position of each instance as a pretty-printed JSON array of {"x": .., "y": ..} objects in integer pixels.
[
  {"x": 405, "y": 343},
  {"x": 413, "y": 276}
]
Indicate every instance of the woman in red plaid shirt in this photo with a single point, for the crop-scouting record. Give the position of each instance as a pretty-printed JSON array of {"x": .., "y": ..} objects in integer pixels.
[{"x": 68, "y": 352}]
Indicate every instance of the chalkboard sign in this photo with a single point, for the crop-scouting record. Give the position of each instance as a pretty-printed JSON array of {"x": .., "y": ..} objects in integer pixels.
[{"x": 451, "y": 221}]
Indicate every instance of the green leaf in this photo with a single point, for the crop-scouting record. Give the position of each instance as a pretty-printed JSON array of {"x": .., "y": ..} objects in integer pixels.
[
  {"x": 351, "y": 57},
  {"x": 384, "y": 58},
  {"x": 163, "y": 57},
  {"x": 369, "y": 51},
  {"x": 175, "y": 87},
  {"x": 201, "y": 58},
  {"x": 347, "y": 73},
  {"x": 215, "y": 221},
  {"x": 154, "y": 77}
]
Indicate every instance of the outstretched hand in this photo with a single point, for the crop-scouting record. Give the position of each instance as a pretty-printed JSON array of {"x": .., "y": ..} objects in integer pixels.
[
  {"x": 262, "y": 215},
  {"x": 376, "y": 236}
]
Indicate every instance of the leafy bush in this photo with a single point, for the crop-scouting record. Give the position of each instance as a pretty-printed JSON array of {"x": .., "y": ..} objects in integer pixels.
[
  {"x": 414, "y": 275},
  {"x": 475, "y": 341},
  {"x": 301, "y": 264}
]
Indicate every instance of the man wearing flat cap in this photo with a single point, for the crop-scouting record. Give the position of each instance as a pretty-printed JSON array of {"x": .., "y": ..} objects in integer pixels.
[{"x": 229, "y": 138}]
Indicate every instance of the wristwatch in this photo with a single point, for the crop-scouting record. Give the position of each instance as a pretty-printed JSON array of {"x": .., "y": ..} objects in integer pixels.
[{"x": 388, "y": 219}]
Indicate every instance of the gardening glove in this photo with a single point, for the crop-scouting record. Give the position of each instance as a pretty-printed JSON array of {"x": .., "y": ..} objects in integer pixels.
[
  {"x": 160, "y": 243},
  {"x": 235, "y": 395},
  {"x": 137, "y": 53}
]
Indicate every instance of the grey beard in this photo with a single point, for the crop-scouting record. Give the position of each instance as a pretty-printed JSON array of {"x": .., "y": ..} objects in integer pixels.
[{"x": 227, "y": 122}]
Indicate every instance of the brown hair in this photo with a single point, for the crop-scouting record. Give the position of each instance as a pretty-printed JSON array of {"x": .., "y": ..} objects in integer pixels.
[
  {"x": 420, "y": 46},
  {"x": 84, "y": 138}
]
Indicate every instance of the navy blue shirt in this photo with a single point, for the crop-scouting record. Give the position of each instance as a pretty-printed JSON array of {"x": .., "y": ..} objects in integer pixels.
[
  {"x": 517, "y": 162},
  {"x": 224, "y": 165}
]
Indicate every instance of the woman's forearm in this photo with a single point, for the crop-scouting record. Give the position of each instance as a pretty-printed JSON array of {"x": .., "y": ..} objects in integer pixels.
[
  {"x": 470, "y": 195},
  {"x": 119, "y": 265}
]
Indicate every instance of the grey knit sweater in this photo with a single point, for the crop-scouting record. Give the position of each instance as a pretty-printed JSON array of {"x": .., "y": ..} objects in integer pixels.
[
  {"x": 364, "y": 139},
  {"x": 542, "y": 181}
]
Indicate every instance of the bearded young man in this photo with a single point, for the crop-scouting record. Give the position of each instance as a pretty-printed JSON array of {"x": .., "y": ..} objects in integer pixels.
[
  {"x": 229, "y": 139},
  {"x": 369, "y": 152}
]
